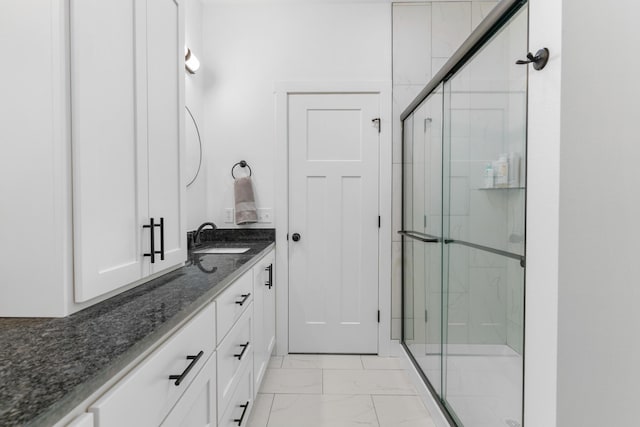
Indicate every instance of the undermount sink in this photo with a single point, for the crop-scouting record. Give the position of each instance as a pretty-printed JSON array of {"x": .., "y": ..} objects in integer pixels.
[{"x": 222, "y": 251}]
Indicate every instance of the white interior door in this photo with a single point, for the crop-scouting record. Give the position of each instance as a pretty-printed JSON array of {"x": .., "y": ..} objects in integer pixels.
[{"x": 333, "y": 207}]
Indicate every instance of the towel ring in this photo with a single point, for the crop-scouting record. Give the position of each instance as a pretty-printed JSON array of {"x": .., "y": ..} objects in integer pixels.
[{"x": 242, "y": 164}]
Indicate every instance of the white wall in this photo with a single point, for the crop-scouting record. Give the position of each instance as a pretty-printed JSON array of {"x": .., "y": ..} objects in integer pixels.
[
  {"x": 582, "y": 320},
  {"x": 543, "y": 142},
  {"x": 599, "y": 274},
  {"x": 248, "y": 47},
  {"x": 194, "y": 100}
]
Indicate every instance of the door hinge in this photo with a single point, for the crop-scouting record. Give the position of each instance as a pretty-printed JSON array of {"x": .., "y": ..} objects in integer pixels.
[
  {"x": 379, "y": 221},
  {"x": 378, "y": 316},
  {"x": 378, "y": 123},
  {"x": 425, "y": 316}
]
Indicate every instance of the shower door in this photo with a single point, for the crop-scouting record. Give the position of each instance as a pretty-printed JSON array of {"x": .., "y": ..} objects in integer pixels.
[
  {"x": 422, "y": 242},
  {"x": 484, "y": 227},
  {"x": 464, "y": 193}
]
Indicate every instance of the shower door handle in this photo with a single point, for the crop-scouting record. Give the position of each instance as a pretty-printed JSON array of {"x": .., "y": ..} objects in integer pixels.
[{"x": 427, "y": 238}]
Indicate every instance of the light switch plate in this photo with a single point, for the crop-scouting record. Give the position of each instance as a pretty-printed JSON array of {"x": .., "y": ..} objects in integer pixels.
[
  {"x": 265, "y": 215},
  {"x": 228, "y": 215}
]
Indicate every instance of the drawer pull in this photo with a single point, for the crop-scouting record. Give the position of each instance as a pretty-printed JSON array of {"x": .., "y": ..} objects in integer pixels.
[
  {"x": 244, "y": 411},
  {"x": 244, "y": 348},
  {"x": 270, "y": 270},
  {"x": 194, "y": 360},
  {"x": 245, "y": 297}
]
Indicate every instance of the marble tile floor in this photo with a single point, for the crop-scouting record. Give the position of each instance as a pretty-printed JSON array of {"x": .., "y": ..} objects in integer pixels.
[{"x": 338, "y": 391}]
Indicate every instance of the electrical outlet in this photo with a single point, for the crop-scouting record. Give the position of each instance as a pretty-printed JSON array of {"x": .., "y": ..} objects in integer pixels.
[
  {"x": 228, "y": 215},
  {"x": 264, "y": 215}
]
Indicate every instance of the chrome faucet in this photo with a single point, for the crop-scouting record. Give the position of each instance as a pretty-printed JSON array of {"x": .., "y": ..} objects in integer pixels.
[{"x": 196, "y": 234}]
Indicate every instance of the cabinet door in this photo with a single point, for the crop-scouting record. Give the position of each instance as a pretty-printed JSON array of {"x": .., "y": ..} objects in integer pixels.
[
  {"x": 259, "y": 293},
  {"x": 197, "y": 407},
  {"x": 265, "y": 315},
  {"x": 165, "y": 74},
  {"x": 270, "y": 306},
  {"x": 108, "y": 94}
]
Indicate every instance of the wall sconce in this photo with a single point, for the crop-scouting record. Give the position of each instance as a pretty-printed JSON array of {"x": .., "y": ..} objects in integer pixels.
[{"x": 191, "y": 63}]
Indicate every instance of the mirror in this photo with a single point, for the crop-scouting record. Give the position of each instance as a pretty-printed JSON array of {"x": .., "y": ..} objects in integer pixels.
[{"x": 193, "y": 147}]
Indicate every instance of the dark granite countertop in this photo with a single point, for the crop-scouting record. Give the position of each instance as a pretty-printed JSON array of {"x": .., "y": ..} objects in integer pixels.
[{"x": 50, "y": 366}]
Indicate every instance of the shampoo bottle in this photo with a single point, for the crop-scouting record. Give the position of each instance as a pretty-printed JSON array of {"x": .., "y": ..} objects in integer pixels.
[
  {"x": 501, "y": 172},
  {"x": 488, "y": 176},
  {"x": 514, "y": 170}
]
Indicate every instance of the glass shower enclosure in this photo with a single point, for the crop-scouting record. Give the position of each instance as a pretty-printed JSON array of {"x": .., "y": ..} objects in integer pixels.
[{"x": 464, "y": 194}]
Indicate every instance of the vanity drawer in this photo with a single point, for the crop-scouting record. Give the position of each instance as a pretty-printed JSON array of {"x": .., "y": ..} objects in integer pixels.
[
  {"x": 232, "y": 303},
  {"x": 146, "y": 395},
  {"x": 237, "y": 414},
  {"x": 235, "y": 352},
  {"x": 197, "y": 406},
  {"x": 84, "y": 420}
]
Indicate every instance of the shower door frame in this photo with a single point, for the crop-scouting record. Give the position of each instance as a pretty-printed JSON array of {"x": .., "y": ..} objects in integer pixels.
[{"x": 492, "y": 24}]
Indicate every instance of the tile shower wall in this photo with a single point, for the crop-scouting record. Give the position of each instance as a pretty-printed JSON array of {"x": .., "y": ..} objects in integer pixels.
[
  {"x": 487, "y": 118},
  {"x": 425, "y": 35}
]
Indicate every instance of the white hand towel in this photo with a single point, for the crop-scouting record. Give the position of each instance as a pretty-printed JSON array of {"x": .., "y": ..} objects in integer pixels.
[{"x": 246, "y": 212}]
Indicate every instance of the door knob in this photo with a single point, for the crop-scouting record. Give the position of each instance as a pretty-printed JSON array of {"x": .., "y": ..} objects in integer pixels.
[{"x": 295, "y": 237}]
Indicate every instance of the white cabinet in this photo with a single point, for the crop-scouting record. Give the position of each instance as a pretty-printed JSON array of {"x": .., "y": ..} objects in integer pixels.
[
  {"x": 127, "y": 97},
  {"x": 147, "y": 394},
  {"x": 197, "y": 407},
  {"x": 95, "y": 118},
  {"x": 234, "y": 353},
  {"x": 241, "y": 403},
  {"x": 235, "y": 328},
  {"x": 232, "y": 303},
  {"x": 84, "y": 420},
  {"x": 264, "y": 315},
  {"x": 165, "y": 116},
  {"x": 194, "y": 378}
]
